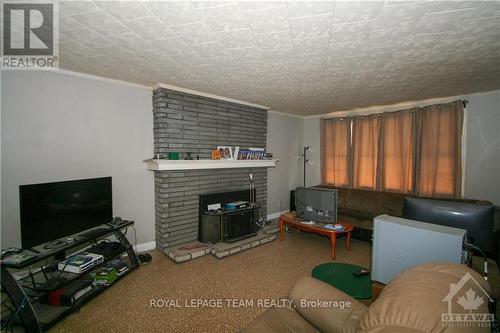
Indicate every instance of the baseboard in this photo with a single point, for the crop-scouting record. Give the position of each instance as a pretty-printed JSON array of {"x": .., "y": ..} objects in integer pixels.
[
  {"x": 145, "y": 246},
  {"x": 275, "y": 215}
]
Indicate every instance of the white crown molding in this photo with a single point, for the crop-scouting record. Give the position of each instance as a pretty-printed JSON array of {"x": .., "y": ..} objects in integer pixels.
[
  {"x": 200, "y": 93},
  {"x": 96, "y": 78},
  {"x": 384, "y": 108},
  {"x": 397, "y": 106},
  {"x": 286, "y": 114}
]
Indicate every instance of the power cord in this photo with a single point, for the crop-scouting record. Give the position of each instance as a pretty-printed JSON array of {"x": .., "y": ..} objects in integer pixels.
[
  {"x": 472, "y": 247},
  {"x": 22, "y": 305},
  {"x": 144, "y": 258},
  {"x": 135, "y": 236}
]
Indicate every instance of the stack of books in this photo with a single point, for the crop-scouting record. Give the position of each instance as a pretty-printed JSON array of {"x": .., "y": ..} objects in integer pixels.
[{"x": 251, "y": 154}]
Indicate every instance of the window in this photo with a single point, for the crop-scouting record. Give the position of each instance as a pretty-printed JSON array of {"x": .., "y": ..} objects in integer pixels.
[
  {"x": 438, "y": 162},
  {"x": 397, "y": 147},
  {"x": 335, "y": 154},
  {"x": 365, "y": 145},
  {"x": 411, "y": 151}
]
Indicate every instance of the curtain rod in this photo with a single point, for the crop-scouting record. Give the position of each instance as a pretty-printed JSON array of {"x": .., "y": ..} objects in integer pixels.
[{"x": 464, "y": 103}]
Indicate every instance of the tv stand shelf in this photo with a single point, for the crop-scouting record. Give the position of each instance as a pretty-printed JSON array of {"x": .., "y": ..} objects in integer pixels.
[{"x": 35, "y": 316}]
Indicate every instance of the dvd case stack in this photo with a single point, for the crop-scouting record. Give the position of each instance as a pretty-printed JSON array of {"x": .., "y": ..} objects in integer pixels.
[{"x": 252, "y": 154}]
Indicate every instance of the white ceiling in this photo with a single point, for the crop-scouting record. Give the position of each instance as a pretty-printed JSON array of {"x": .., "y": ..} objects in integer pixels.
[{"x": 298, "y": 57}]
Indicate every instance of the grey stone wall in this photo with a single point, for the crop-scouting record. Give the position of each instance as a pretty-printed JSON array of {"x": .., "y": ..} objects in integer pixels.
[{"x": 189, "y": 123}]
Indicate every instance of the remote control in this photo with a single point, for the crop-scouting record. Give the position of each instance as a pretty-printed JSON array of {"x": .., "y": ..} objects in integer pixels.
[{"x": 361, "y": 272}]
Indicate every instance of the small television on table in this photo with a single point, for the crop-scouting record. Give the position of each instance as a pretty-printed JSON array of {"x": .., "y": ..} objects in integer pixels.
[
  {"x": 51, "y": 211},
  {"x": 316, "y": 204}
]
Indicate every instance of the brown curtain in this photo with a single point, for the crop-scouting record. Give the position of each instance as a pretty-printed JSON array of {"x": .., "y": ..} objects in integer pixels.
[
  {"x": 365, "y": 143},
  {"x": 439, "y": 154},
  {"x": 396, "y": 151},
  {"x": 335, "y": 151}
]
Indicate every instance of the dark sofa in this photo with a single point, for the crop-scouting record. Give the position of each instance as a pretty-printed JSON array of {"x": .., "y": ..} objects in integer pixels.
[{"x": 359, "y": 207}]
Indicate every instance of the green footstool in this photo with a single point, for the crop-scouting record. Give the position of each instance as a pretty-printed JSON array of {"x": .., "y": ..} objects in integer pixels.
[{"x": 340, "y": 276}]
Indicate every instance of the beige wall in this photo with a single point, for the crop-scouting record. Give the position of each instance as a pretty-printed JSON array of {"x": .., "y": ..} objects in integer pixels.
[
  {"x": 284, "y": 140},
  {"x": 56, "y": 126},
  {"x": 482, "y": 155},
  {"x": 61, "y": 127},
  {"x": 482, "y": 142},
  {"x": 312, "y": 139}
]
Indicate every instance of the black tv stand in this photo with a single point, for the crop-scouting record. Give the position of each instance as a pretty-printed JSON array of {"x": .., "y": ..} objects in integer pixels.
[
  {"x": 34, "y": 251},
  {"x": 24, "y": 293},
  {"x": 54, "y": 245},
  {"x": 93, "y": 233}
]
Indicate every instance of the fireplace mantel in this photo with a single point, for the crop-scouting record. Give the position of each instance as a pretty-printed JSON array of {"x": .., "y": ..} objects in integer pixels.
[{"x": 159, "y": 165}]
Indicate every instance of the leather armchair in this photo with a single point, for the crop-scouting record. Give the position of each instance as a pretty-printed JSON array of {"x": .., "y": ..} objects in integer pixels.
[{"x": 411, "y": 303}]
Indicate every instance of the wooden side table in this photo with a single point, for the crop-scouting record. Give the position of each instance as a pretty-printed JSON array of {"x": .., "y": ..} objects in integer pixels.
[{"x": 292, "y": 220}]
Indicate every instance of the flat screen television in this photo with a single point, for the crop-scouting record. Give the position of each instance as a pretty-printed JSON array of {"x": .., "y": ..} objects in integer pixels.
[
  {"x": 316, "y": 204},
  {"x": 51, "y": 211}
]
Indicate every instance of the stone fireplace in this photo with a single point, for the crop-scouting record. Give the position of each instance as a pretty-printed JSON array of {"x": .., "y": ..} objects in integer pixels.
[{"x": 185, "y": 122}]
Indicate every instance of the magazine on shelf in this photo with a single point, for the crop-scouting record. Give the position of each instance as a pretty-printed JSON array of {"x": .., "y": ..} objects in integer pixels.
[{"x": 251, "y": 153}]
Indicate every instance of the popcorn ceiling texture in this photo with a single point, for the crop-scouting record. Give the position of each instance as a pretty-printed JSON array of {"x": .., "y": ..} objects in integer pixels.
[
  {"x": 301, "y": 57},
  {"x": 189, "y": 123}
]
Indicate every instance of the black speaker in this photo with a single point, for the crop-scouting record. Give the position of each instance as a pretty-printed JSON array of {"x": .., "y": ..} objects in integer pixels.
[{"x": 292, "y": 200}]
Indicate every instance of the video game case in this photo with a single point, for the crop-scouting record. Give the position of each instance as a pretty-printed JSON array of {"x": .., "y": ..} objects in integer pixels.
[
  {"x": 80, "y": 263},
  {"x": 104, "y": 275},
  {"x": 15, "y": 259}
]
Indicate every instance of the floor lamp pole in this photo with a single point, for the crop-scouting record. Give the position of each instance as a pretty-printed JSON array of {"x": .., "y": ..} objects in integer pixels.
[{"x": 304, "y": 155}]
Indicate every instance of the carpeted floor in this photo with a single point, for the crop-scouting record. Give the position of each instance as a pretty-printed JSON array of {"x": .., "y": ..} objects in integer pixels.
[{"x": 266, "y": 272}]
